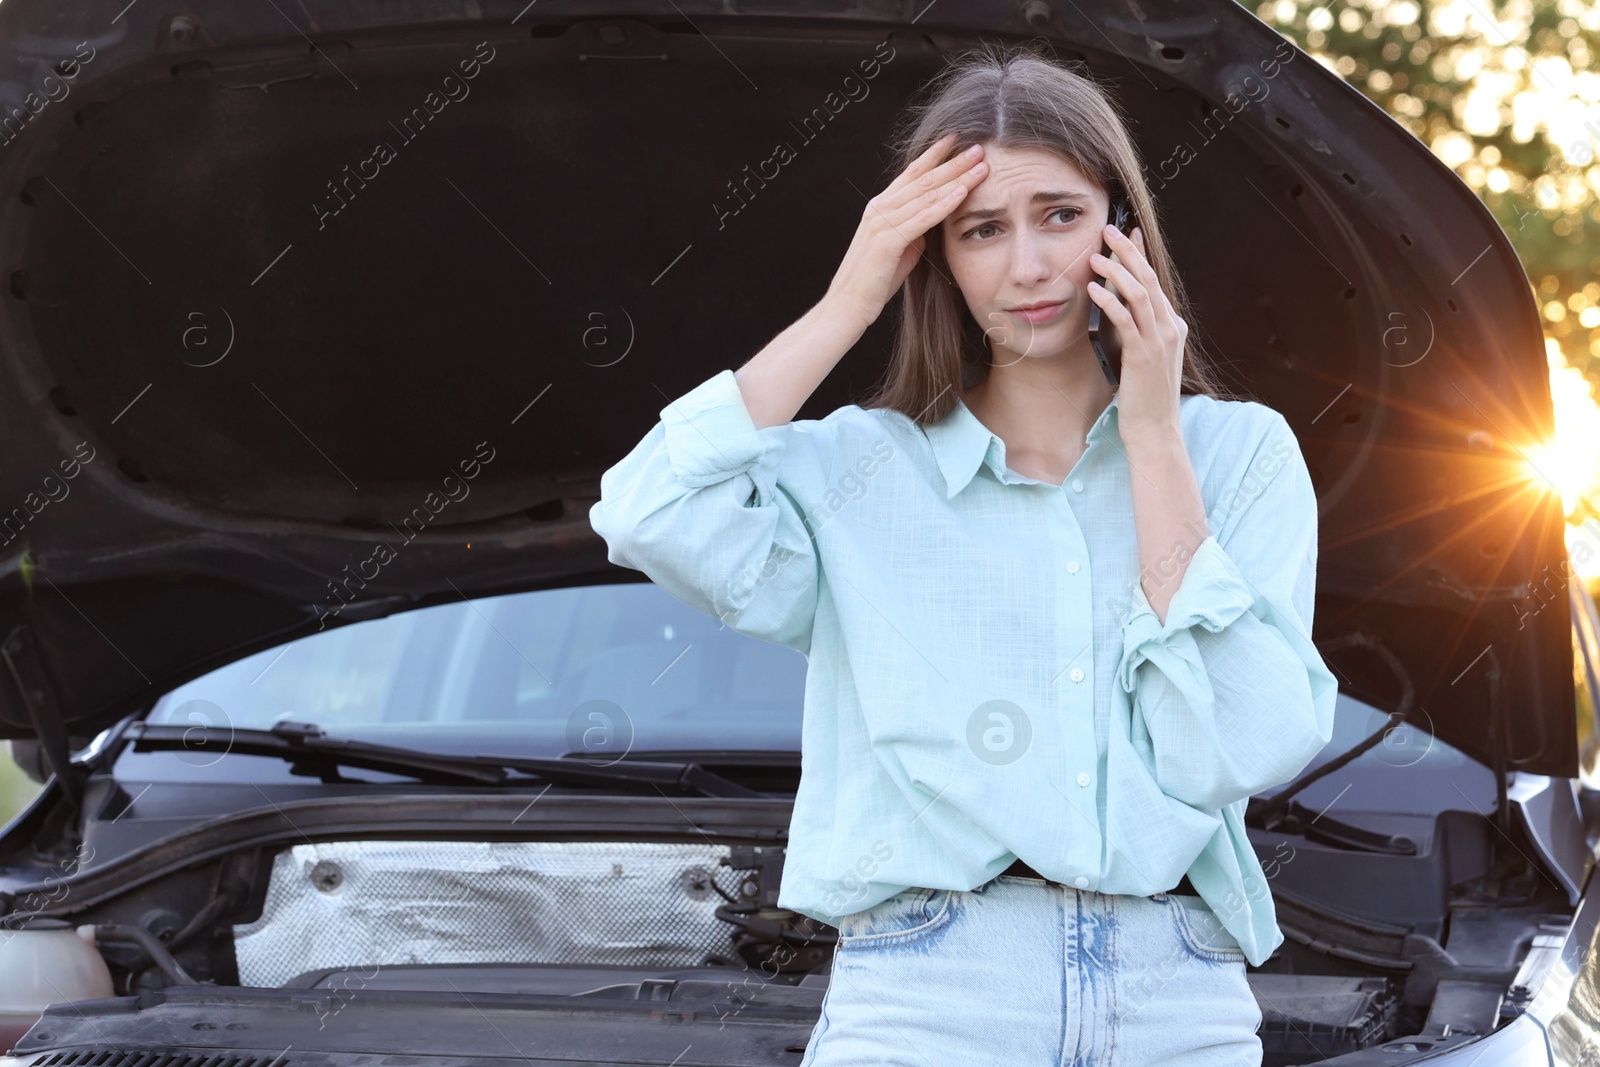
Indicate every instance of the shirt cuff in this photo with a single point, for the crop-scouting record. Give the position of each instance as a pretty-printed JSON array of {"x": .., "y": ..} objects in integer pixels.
[
  {"x": 710, "y": 434},
  {"x": 1212, "y": 593}
]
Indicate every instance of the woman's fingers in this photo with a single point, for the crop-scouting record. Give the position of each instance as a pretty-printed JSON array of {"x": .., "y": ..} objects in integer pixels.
[
  {"x": 1115, "y": 310},
  {"x": 1130, "y": 289},
  {"x": 939, "y": 203},
  {"x": 1139, "y": 264},
  {"x": 890, "y": 238},
  {"x": 935, "y": 181},
  {"x": 1178, "y": 323},
  {"x": 922, "y": 164},
  {"x": 1147, "y": 309},
  {"x": 1138, "y": 285},
  {"x": 928, "y": 208},
  {"x": 1133, "y": 257}
]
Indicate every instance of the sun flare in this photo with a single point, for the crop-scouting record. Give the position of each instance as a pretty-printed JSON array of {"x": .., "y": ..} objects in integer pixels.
[{"x": 1571, "y": 459}]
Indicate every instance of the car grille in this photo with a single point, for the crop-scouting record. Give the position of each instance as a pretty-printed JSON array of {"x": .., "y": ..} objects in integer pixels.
[{"x": 153, "y": 1057}]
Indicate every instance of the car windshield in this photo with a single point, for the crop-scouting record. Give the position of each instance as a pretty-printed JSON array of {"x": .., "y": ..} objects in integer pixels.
[
  {"x": 587, "y": 669},
  {"x": 1408, "y": 771},
  {"x": 627, "y": 668}
]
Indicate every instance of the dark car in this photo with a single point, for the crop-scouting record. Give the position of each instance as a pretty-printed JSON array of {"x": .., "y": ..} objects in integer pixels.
[{"x": 323, "y": 321}]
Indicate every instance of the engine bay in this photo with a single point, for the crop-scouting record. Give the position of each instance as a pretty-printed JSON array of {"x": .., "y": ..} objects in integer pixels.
[{"x": 1438, "y": 937}]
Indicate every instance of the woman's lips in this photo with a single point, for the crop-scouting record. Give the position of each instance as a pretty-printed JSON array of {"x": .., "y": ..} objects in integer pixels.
[{"x": 1040, "y": 315}]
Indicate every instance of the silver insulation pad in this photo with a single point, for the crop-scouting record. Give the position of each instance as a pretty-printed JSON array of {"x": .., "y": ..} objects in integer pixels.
[{"x": 360, "y": 903}]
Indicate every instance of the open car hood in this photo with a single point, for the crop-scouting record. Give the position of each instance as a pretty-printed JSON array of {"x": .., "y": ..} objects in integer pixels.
[{"x": 320, "y": 311}]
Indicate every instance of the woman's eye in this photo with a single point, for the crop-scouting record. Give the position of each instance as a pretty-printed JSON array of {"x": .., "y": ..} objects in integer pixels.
[{"x": 1075, "y": 213}]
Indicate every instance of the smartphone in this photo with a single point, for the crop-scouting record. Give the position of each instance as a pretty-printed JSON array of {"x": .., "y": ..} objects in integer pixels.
[{"x": 1102, "y": 332}]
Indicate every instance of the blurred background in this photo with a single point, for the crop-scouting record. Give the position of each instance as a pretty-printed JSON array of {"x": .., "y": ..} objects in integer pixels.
[
  {"x": 1504, "y": 94},
  {"x": 16, "y": 789}
]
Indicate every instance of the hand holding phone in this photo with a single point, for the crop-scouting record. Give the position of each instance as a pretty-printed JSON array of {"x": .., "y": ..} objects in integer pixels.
[{"x": 1103, "y": 336}]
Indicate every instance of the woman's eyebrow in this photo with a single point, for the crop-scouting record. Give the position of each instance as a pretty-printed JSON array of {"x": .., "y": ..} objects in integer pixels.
[{"x": 1036, "y": 198}]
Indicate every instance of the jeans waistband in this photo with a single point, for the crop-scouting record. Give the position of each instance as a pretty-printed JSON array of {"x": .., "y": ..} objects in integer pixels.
[{"x": 1022, "y": 870}]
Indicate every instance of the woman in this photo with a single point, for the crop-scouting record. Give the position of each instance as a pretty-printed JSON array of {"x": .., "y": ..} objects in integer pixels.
[{"x": 1057, "y": 635}]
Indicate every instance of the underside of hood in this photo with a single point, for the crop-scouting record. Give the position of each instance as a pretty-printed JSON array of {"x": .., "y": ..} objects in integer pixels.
[{"x": 322, "y": 312}]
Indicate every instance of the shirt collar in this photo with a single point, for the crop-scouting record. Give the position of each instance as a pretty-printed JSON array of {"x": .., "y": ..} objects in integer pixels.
[{"x": 961, "y": 444}]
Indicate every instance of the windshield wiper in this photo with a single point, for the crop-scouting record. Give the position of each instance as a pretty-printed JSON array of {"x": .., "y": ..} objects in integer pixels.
[
  {"x": 1281, "y": 813},
  {"x": 313, "y": 752},
  {"x": 1315, "y": 825},
  {"x": 1270, "y": 813}
]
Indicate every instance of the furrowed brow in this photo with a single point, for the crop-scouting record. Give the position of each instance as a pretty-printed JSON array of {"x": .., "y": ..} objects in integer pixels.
[{"x": 1036, "y": 198}]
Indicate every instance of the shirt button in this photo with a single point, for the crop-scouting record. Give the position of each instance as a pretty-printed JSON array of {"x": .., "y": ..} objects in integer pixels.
[
  {"x": 1077, "y": 485},
  {"x": 1081, "y": 882},
  {"x": 1083, "y": 777},
  {"x": 1072, "y": 567},
  {"x": 1077, "y": 674}
]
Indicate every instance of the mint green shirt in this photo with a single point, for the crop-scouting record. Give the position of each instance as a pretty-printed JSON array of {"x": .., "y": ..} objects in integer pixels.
[{"x": 986, "y": 679}]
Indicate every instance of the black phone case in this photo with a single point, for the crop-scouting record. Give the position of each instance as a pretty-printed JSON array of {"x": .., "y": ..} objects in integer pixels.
[{"x": 1102, "y": 332}]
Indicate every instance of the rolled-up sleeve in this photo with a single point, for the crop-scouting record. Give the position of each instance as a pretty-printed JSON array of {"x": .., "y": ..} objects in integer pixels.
[
  {"x": 712, "y": 509},
  {"x": 1229, "y": 695}
]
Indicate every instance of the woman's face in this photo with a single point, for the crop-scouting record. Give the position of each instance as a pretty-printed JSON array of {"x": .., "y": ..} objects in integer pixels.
[{"x": 1024, "y": 235}]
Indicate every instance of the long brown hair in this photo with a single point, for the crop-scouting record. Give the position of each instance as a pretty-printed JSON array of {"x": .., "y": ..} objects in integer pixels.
[{"x": 1013, "y": 98}]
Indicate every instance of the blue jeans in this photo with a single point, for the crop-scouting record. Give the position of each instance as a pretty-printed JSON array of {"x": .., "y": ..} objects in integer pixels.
[{"x": 1030, "y": 973}]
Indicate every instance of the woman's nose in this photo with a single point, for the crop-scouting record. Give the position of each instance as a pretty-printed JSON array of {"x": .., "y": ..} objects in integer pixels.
[{"x": 1029, "y": 261}]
